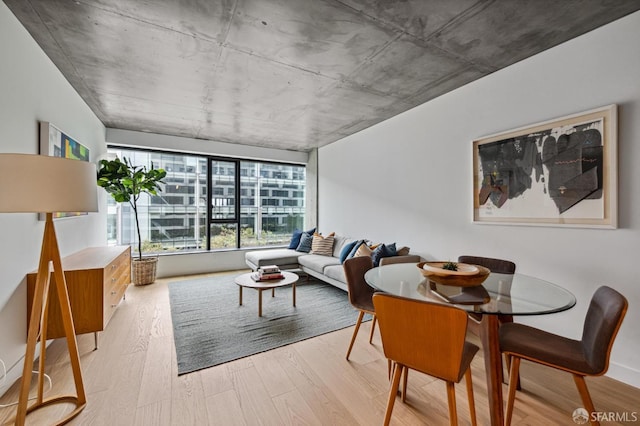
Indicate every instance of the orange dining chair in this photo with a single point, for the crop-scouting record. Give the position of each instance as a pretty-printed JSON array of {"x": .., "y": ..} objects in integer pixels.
[
  {"x": 586, "y": 357},
  {"x": 426, "y": 337},
  {"x": 499, "y": 266},
  {"x": 360, "y": 293}
]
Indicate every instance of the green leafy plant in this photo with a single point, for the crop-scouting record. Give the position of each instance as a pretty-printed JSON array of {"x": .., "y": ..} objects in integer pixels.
[
  {"x": 450, "y": 266},
  {"x": 126, "y": 182}
]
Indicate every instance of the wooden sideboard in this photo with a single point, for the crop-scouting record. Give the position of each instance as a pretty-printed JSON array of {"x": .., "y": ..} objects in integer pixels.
[{"x": 97, "y": 278}]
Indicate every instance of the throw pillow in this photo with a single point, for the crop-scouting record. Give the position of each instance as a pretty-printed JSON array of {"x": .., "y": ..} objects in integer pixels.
[
  {"x": 355, "y": 248},
  {"x": 403, "y": 251},
  {"x": 344, "y": 253},
  {"x": 297, "y": 234},
  {"x": 305, "y": 243},
  {"x": 392, "y": 249},
  {"x": 363, "y": 250},
  {"x": 322, "y": 245},
  {"x": 381, "y": 251}
]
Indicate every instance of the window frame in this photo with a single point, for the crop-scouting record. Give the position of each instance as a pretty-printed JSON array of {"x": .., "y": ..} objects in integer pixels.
[{"x": 210, "y": 159}]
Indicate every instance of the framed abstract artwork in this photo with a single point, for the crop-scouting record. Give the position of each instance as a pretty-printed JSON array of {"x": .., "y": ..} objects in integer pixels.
[
  {"x": 560, "y": 172},
  {"x": 56, "y": 143}
]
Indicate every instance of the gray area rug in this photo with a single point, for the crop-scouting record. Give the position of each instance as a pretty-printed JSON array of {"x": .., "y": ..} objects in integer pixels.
[{"x": 210, "y": 328}]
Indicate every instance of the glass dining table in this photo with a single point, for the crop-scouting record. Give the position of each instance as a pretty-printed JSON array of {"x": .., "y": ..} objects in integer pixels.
[{"x": 499, "y": 295}]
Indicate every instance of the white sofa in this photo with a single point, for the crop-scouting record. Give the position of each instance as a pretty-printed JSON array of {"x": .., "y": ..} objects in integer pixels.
[{"x": 325, "y": 268}]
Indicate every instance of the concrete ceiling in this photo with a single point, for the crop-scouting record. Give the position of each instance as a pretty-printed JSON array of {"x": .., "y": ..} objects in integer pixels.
[{"x": 288, "y": 74}]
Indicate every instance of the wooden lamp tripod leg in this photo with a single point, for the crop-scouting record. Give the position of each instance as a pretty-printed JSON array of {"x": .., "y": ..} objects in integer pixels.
[{"x": 38, "y": 328}]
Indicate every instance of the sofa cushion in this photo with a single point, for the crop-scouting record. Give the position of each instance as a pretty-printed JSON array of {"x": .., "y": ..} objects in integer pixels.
[
  {"x": 305, "y": 243},
  {"x": 336, "y": 272},
  {"x": 278, "y": 257},
  {"x": 318, "y": 262},
  {"x": 322, "y": 245},
  {"x": 295, "y": 237},
  {"x": 338, "y": 244}
]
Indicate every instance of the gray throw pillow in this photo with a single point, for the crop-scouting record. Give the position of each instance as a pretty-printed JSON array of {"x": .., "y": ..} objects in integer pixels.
[{"x": 305, "y": 243}]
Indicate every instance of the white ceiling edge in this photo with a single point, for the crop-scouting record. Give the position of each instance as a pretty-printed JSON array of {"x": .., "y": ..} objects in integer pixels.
[{"x": 155, "y": 141}]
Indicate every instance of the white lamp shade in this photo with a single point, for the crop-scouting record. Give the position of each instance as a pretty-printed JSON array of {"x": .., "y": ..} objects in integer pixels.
[{"x": 43, "y": 184}]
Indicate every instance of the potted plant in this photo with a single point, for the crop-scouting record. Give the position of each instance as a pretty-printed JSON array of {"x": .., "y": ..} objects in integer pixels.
[{"x": 126, "y": 182}]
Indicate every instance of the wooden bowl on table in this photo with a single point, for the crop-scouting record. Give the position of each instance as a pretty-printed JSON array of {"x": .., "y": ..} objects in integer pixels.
[{"x": 466, "y": 276}]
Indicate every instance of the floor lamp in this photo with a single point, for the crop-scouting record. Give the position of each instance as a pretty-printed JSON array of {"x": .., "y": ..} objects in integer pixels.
[{"x": 42, "y": 184}]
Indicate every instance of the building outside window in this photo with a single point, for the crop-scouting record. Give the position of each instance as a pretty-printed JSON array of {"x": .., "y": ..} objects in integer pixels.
[{"x": 251, "y": 204}]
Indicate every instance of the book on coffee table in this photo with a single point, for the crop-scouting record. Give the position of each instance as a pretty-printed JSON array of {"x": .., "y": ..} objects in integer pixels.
[
  {"x": 269, "y": 269},
  {"x": 256, "y": 276}
]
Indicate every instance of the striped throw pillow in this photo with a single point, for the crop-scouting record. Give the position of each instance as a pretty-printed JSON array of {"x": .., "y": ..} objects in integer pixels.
[{"x": 322, "y": 245}]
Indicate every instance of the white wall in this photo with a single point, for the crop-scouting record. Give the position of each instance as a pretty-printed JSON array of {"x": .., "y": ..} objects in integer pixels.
[
  {"x": 409, "y": 179},
  {"x": 32, "y": 90}
]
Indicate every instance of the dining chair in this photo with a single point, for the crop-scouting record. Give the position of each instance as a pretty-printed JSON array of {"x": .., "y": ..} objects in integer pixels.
[
  {"x": 426, "y": 337},
  {"x": 586, "y": 357},
  {"x": 360, "y": 293},
  {"x": 498, "y": 266},
  {"x": 393, "y": 260},
  {"x": 410, "y": 258}
]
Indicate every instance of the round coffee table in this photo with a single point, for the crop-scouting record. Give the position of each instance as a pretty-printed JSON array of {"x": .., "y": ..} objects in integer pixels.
[{"x": 245, "y": 280}]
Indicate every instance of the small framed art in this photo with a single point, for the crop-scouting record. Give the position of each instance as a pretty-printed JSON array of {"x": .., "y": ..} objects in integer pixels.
[{"x": 56, "y": 143}]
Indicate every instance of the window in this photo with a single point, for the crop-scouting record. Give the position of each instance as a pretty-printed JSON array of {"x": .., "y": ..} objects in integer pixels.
[
  {"x": 174, "y": 219},
  {"x": 263, "y": 218},
  {"x": 209, "y": 203}
]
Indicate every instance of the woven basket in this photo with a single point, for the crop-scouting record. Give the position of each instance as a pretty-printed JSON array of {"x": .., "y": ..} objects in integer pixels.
[{"x": 144, "y": 271}]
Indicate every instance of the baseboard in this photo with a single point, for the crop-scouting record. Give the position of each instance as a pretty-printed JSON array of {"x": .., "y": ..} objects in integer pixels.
[{"x": 624, "y": 374}]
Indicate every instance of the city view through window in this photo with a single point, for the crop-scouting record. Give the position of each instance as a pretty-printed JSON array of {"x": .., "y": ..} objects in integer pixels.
[{"x": 210, "y": 203}]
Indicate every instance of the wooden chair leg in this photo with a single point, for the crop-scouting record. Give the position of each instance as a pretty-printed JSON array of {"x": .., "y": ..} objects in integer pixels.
[
  {"x": 507, "y": 363},
  {"x": 373, "y": 327},
  {"x": 513, "y": 384},
  {"x": 355, "y": 333},
  {"x": 404, "y": 384},
  {"x": 451, "y": 398},
  {"x": 472, "y": 403},
  {"x": 585, "y": 396},
  {"x": 393, "y": 390}
]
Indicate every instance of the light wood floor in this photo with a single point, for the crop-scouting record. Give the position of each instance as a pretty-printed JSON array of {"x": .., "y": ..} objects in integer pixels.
[{"x": 132, "y": 380}]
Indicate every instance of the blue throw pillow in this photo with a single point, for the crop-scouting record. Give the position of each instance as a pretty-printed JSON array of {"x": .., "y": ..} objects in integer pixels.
[
  {"x": 305, "y": 243},
  {"x": 346, "y": 250},
  {"x": 355, "y": 248},
  {"x": 295, "y": 238},
  {"x": 383, "y": 251},
  {"x": 392, "y": 249}
]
